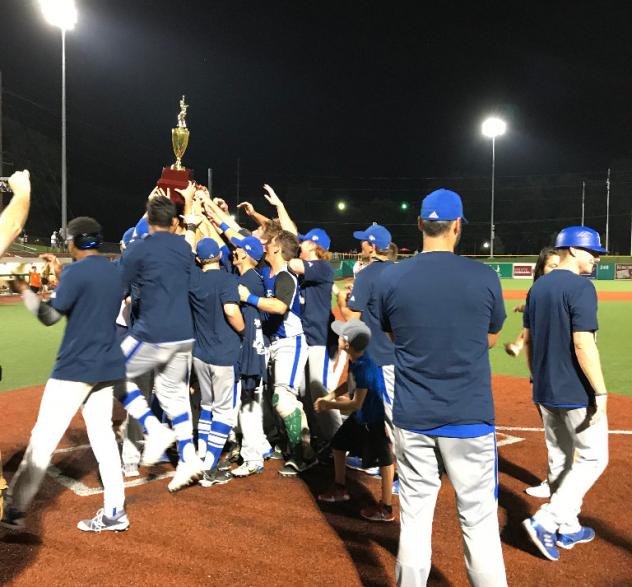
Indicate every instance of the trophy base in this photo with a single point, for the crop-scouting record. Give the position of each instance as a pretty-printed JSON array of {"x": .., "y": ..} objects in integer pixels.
[{"x": 170, "y": 179}]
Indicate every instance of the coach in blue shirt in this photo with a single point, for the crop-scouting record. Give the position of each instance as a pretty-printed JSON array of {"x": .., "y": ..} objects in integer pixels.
[
  {"x": 560, "y": 321},
  {"x": 443, "y": 313}
]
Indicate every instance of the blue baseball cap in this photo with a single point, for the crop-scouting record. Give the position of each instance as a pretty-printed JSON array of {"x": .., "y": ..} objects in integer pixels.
[
  {"x": 127, "y": 236},
  {"x": 207, "y": 248},
  {"x": 318, "y": 236},
  {"x": 443, "y": 205},
  {"x": 581, "y": 237},
  {"x": 376, "y": 235},
  {"x": 252, "y": 245},
  {"x": 141, "y": 230}
]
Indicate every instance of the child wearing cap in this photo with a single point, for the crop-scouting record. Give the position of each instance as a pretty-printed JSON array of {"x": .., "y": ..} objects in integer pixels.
[{"x": 364, "y": 432}]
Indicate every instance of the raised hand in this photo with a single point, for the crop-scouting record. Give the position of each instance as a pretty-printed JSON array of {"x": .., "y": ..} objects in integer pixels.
[
  {"x": 247, "y": 207},
  {"x": 188, "y": 192},
  {"x": 271, "y": 196},
  {"x": 20, "y": 182}
]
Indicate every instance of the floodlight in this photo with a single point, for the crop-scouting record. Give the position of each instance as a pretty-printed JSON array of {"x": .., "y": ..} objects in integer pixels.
[
  {"x": 60, "y": 13},
  {"x": 494, "y": 127}
]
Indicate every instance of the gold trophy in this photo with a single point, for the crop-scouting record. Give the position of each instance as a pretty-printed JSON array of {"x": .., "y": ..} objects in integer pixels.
[
  {"x": 176, "y": 175},
  {"x": 180, "y": 135}
]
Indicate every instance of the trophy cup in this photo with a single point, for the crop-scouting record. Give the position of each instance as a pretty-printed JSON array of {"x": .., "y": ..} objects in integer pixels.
[{"x": 177, "y": 176}]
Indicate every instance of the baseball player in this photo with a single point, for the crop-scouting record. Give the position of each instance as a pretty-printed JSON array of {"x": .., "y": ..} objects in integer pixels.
[
  {"x": 89, "y": 366},
  {"x": 363, "y": 305},
  {"x": 161, "y": 336},
  {"x": 254, "y": 444},
  {"x": 560, "y": 321},
  {"x": 218, "y": 324},
  {"x": 288, "y": 354},
  {"x": 12, "y": 221},
  {"x": 315, "y": 288},
  {"x": 444, "y": 312}
]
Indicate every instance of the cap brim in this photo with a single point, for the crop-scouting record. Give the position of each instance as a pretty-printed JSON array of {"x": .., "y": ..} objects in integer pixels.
[
  {"x": 360, "y": 235},
  {"x": 301, "y": 237},
  {"x": 337, "y": 326}
]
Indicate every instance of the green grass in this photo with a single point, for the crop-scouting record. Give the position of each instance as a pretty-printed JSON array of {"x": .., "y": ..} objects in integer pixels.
[
  {"x": 600, "y": 285},
  {"x": 27, "y": 348}
]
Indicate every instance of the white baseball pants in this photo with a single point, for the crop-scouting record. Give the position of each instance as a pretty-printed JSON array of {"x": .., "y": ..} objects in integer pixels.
[
  {"x": 254, "y": 442},
  {"x": 471, "y": 466},
  {"x": 60, "y": 402},
  {"x": 578, "y": 455}
]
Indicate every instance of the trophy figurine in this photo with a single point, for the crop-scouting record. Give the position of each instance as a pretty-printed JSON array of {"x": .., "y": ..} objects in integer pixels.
[{"x": 177, "y": 176}]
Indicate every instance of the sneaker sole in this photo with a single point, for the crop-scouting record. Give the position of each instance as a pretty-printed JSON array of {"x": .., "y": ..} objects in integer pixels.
[
  {"x": 341, "y": 500},
  {"x": 192, "y": 479},
  {"x": 570, "y": 546},
  {"x": 377, "y": 519},
  {"x": 534, "y": 538},
  {"x": 125, "y": 529},
  {"x": 534, "y": 492},
  {"x": 292, "y": 473},
  {"x": 13, "y": 527},
  {"x": 249, "y": 474},
  {"x": 205, "y": 483}
]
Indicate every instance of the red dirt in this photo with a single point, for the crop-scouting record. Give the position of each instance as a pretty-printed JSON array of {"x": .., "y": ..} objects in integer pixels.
[
  {"x": 602, "y": 296},
  {"x": 271, "y": 531}
]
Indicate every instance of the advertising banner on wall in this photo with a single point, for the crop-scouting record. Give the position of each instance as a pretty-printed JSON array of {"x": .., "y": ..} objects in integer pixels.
[
  {"x": 623, "y": 271},
  {"x": 523, "y": 270}
]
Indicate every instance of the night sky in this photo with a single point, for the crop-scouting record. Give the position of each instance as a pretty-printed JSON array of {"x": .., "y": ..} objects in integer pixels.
[{"x": 308, "y": 89}]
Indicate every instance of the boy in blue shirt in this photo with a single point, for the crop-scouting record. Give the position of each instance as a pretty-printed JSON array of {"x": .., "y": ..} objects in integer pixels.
[{"x": 364, "y": 431}]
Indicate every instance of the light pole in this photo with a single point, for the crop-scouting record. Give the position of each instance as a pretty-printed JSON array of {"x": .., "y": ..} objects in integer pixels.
[
  {"x": 62, "y": 14},
  {"x": 492, "y": 128}
]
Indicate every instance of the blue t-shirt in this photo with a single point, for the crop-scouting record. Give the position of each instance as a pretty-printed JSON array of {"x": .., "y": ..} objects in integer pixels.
[
  {"x": 216, "y": 342},
  {"x": 89, "y": 294},
  {"x": 440, "y": 308},
  {"x": 252, "y": 360},
  {"x": 559, "y": 304},
  {"x": 364, "y": 298},
  {"x": 158, "y": 270},
  {"x": 316, "y": 303},
  {"x": 367, "y": 375}
]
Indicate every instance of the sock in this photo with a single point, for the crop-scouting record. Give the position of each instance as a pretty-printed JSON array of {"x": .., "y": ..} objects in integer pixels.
[
  {"x": 293, "y": 427},
  {"x": 204, "y": 427},
  {"x": 184, "y": 434},
  {"x": 216, "y": 441},
  {"x": 136, "y": 405}
]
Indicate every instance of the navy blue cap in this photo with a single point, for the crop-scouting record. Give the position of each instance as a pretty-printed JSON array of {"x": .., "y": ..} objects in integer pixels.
[
  {"x": 127, "y": 236},
  {"x": 581, "y": 237},
  {"x": 442, "y": 205},
  {"x": 318, "y": 236},
  {"x": 376, "y": 235},
  {"x": 141, "y": 229},
  {"x": 207, "y": 248},
  {"x": 252, "y": 245}
]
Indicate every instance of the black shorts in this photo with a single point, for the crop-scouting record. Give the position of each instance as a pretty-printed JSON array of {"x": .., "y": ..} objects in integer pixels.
[{"x": 368, "y": 441}]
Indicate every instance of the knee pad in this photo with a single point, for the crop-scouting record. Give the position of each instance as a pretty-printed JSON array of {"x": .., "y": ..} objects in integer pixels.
[{"x": 284, "y": 402}]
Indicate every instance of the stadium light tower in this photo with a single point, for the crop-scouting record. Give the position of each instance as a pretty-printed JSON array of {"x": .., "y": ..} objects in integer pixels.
[
  {"x": 492, "y": 128},
  {"x": 341, "y": 205},
  {"x": 62, "y": 14}
]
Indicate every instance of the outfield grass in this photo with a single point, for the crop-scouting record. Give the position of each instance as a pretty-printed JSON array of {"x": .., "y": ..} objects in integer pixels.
[{"x": 600, "y": 285}]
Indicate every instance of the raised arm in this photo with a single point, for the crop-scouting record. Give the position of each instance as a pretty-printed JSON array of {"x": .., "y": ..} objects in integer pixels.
[
  {"x": 249, "y": 209},
  {"x": 14, "y": 215},
  {"x": 284, "y": 218}
]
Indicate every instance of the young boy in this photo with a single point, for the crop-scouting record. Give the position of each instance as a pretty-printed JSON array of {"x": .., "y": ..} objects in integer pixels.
[{"x": 364, "y": 432}]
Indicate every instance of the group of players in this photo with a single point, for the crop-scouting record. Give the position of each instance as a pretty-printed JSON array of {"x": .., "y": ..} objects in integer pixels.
[{"x": 249, "y": 315}]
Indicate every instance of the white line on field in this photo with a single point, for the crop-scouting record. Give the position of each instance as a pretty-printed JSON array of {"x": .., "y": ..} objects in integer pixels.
[
  {"x": 507, "y": 439},
  {"x": 521, "y": 429}
]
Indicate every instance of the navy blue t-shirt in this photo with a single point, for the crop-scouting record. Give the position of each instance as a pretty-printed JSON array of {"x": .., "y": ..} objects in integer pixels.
[
  {"x": 559, "y": 304},
  {"x": 252, "y": 360},
  {"x": 364, "y": 299},
  {"x": 158, "y": 270},
  {"x": 440, "y": 308},
  {"x": 367, "y": 375},
  {"x": 316, "y": 303},
  {"x": 89, "y": 294},
  {"x": 216, "y": 342}
]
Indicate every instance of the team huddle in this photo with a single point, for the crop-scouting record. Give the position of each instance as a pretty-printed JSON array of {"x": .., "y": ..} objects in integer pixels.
[{"x": 245, "y": 318}]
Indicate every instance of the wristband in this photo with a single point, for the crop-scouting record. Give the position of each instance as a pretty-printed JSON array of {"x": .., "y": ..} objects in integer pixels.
[
  {"x": 252, "y": 299},
  {"x": 224, "y": 226},
  {"x": 191, "y": 226}
]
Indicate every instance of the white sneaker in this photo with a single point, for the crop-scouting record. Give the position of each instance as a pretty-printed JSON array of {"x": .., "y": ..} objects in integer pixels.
[
  {"x": 186, "y": 473},
  {"x": 156, "y": 444},
  {"x": 101, "y": 523},
  {"x": 542, "y": 491},
  {"x": 130, "y": 470},
  {"x": 245, "y": 470}
]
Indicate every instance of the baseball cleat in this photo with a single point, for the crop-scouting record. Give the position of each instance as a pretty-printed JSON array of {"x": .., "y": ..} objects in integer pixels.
[
  {"x": 288, "y": 471},
  {"x": 543, "y": 539},
  {"x": 156, "y": 444},
  {"x": 377, "y": 513},
  {"x": 101, "y": 523},
  {"x": 215, "y": 476},
  {"x": 276, "y": 454},
  {"x": 542, "y": 491},
  {"x": 130, "y": 470},
  {"x": 13, "y": 519},
  {"x": 336, "y": 494},
  {"x": 186, "y": 473},
  {"x": 245, "y": 470},
  {"x": 567, "y": 541}
]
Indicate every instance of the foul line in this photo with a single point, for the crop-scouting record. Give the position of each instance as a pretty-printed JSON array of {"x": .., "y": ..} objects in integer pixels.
[{"x": 521, "y": 429}]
